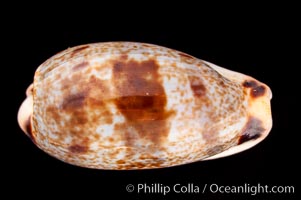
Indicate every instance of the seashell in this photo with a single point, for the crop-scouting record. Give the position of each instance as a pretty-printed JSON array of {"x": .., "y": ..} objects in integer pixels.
[{"x": 127, "y": 105}]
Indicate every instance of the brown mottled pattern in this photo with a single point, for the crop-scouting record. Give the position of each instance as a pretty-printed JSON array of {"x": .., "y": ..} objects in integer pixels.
[{"x": 123, "y": 105}]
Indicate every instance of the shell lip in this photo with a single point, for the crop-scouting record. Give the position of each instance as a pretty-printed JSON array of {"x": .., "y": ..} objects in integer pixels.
[{"x": 25, "y": 112}]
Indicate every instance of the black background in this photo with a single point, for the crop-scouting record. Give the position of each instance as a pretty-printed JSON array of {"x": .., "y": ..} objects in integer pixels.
[{"x": 258, "y": 43}]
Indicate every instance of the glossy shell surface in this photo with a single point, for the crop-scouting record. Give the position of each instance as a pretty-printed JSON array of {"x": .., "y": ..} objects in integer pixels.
[{"x": 125, "y": 105}]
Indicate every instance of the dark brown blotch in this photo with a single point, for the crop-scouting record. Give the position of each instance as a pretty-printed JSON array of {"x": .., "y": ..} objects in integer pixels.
[
  {"x": 198, "y": 90},
  {"x": 79, "y": 49},
  {"x": 197, "y": 86},
  {"x": 80, "y": 66},
  {"x": 120, "y": 162},
  {"x": 257, "y": 90},
  {"x": 252, "y": 130},
  {"x": 250, "y": 84},
  {"x": 74, "y": 101},
  {"x": 147, "y": 45},
  {"x": 221, "y": 83},
  {"x": 185, "y": 55},
  {"x": 78, "y": 149},
  {"x": 141, "y": 100}
]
